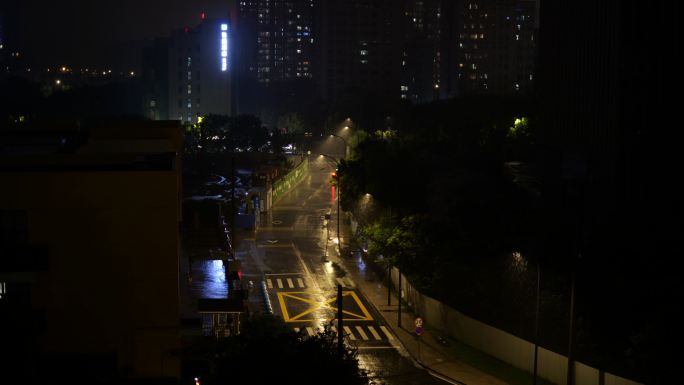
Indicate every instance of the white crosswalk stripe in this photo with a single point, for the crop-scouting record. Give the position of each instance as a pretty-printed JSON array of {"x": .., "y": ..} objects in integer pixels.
[
  {"x": 280, "y": 283},
  {"x": 269, "y": 283},
  {"x": 348, "y": 332},
  {"x": 300, "y": 282},
  {"x": 374, "y": 333},
  {"x": 387, "y": 333},
  {"x": 363, "y": 334},
  {"x": 289, "y": 283}
]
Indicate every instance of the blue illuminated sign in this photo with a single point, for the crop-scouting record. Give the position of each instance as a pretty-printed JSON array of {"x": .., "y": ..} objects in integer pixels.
[{"x": 224, "y": 47}]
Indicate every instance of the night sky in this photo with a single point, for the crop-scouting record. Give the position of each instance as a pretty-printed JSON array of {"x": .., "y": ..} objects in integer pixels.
[{"x": 102, "y": 33}]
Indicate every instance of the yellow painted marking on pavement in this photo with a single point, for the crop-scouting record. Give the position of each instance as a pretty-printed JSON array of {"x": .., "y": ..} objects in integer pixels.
[
  {"x": 280, "y": 283},
  {"x": 387, "y": 333},
  {"x": 362, "y": 333},
  {"x": 348, "y": 332},
  {"x": 274, "y": 246},
  {"x": 274, "y": 229},
  {"x": 300, "y": 282},
  {"x": 315, "y": 304},
  {"x": 309, "y": 330},
  {"x": 374, "y": 333},
  {"x": 269, "y": 283},
  {"x": 289, "y": 283}
]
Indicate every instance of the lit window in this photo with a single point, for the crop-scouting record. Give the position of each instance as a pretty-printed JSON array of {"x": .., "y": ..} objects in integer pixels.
[
  {"x": 363, "y": 52},
  {"x": 517, "y": 37},
  {"x": 3, "y": 289},
  {"x": 189, "y": 75},
  {"x": 517, "y": 87},
  {"x": 189, "y": 89}
]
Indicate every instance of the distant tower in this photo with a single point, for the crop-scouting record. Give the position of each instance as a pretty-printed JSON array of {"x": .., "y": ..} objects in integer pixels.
[{"x": 200, "y": 70}]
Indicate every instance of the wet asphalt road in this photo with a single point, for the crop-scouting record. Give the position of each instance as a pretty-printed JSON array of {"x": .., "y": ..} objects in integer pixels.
[{"x": 288, "y": 253}]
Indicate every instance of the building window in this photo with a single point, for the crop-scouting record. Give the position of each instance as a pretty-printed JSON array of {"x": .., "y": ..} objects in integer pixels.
[
  {"x": 3, "y": 289},
  {"x": 189, "y": 89},
  {"x": 189, "y": 75},
  {"x": 189, "y": 61}
]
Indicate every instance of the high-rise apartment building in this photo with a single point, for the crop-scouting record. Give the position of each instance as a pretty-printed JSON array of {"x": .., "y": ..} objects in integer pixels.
[
  {"x": 199, "y": 70},
  {"x": 361, "y": 49},
  {"x": 276, "y": 44},
  {"x": 428, "y": 69},
  {"x": 496, "y": 47},
  {"x": 276, "y": 39}
]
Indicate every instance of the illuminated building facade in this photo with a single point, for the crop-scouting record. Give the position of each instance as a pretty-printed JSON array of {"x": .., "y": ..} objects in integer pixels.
[
  {"x": 278, "y": 39},
  {"x": 199, "y": 70},
  {"x": 496, "y": 46}
]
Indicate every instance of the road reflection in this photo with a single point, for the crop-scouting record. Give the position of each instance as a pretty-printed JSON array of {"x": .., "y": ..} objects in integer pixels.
[{"x": 209, "y": 279}]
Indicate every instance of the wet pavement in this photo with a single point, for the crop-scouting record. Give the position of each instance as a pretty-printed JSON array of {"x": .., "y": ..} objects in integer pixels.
[{"x": 295, "y": 254}]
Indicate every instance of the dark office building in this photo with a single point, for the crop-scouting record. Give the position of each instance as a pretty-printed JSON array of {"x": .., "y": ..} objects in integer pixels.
[
  {"x": 496, "y": 46},
  {"x": 361, "y": 49},
  {"x": 155, "y": 79},
  {"x": 428, "y": 62},
  {"x": 200, "y": 68}
]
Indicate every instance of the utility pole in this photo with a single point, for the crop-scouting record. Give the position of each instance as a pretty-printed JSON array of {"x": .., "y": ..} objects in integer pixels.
[
  {"x": 339, "y": 238},
  {"x": 399, "y": 302},
  {"x": 340, "y": 333},
  {"x": 571, "y": 358},
  {"x": 536, "y": 323},
  {"x": 232, "y": 203}
]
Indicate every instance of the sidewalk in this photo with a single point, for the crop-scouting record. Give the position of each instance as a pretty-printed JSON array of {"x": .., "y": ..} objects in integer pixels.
[{"x": 424, "y": 350}]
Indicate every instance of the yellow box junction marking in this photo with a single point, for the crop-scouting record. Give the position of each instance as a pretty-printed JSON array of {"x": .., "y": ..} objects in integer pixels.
[{"x": 315, "y": 305}]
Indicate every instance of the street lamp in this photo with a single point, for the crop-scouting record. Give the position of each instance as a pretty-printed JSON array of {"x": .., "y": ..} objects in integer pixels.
[{"x": 343, "y": 140}]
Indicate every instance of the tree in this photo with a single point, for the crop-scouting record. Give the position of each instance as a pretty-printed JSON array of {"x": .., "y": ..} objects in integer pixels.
[{"x": 266, "y": 349}]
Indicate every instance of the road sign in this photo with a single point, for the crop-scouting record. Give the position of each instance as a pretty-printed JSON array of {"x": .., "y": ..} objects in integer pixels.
[{"x": 419, "y": 325}]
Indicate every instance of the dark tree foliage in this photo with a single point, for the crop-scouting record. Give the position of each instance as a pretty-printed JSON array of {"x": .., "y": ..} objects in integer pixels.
[{"x": 266, "y": 349}]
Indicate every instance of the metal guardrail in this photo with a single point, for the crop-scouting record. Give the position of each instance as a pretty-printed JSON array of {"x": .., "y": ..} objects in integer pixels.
[{"x": 267, "y": 301}]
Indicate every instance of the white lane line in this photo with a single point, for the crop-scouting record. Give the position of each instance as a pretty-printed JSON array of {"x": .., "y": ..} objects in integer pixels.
[
  {"x": 374, "y": 333},
  {"x": 340, "y": 281},
  {"x": 362, "y": 333},
  {"x": 269, "y": 283},
  {"x": 300, "y": 282},
  {"x": 387, "y": 333},
  {"x": 289, "y": 283},
  {"x": 280, "y": 283},
  {"x": 348, "y": 332},
  {"x": 309, "y": 330}
]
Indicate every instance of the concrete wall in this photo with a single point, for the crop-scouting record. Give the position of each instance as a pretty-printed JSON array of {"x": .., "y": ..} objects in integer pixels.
[{"x": 497, "y": 343}]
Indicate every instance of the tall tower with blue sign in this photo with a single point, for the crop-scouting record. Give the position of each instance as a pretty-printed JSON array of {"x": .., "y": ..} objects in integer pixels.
[{"x": 200, "y": 70}]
